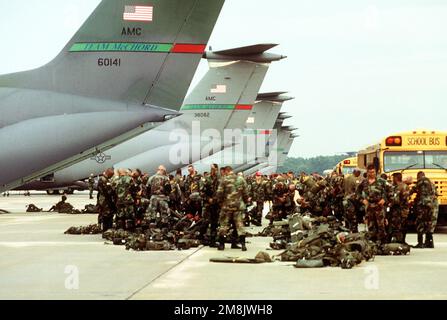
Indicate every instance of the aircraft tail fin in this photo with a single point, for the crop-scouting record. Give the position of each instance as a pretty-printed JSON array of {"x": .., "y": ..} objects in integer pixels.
[
  {"x": 225, "y": 96},
  {"x": 136, "y": 51}
]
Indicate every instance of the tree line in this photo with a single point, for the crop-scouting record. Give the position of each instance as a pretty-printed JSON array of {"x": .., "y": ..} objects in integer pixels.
[{"x": 310, "y": 165}]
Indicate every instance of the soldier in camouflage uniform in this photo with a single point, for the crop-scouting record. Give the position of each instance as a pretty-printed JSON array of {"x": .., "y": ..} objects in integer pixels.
[
  {"x": 106, "y": 200},
  {"x": 125, "y": 214},
  {"x": 306, "y": 184},
  {"x": 434, "y": 220},
  {"x": 350, "y": 201},
  {"x": 159, "y": 187},
  {"x": 191, "y": 192},
  {"x": 258, "y": 195},
  {"x": 424, "y": 206},
  {"x": 399, "y": 209},
  {"x": 290, "y": 204},
  {"x": 63, "y": 206},
  {"x": 336, "y": 195},
  {"x": 268, "y": 189},
  {"x": 211, "y": 208},
  {"x": 175, "y": 196},
  {"x": 280, "y": 193},
  {"x": 91, "y": 185},
  {"x": 232, "y": 196},
  {"x": 373, "y": 193}
]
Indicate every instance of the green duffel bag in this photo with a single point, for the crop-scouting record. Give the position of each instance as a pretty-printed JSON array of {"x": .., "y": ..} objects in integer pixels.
[{"x": 304, "y": 264}]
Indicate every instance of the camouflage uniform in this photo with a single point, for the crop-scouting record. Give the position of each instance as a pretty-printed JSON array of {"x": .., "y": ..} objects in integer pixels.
[
  {"x": 106, "y": 200},
  {"x": 232, "y": 195},
  {"x": 399, "y": 209},
  {"x": 175, "y": 196},
  {"x": 138, "y": 193},
  {"x": 258, "y": 195},
  {"x": 268, "y": 189},
  {"x": 290, "y": 205},
  {"x": 434, "y": 220},
  {"x": 159, "y": 187},
  {"x": 350, "y": 202},
  {"x": 375, "y": 213},
  {"x": 125, "y": 204},
  {"x": 64, "y": 207},
  {"x": 424, "y": 207},
  {"x": 91, "y": 184},
  {"x": 336, "y": 196},
  {"x": 208, "y": 189},
  {"x": 192, "y": 194},
  {"x": 316, "y": 195},
  {"x": 279, "y": 210}
]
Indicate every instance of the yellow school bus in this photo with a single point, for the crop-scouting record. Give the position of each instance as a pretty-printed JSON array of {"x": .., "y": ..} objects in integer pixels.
[
  {"x": 346, "y": 166},
  {"x": 409, "y": 153}
]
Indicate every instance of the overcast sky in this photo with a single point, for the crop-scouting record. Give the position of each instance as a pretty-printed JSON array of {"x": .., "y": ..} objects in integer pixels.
[{"x": 359, "y": 69}]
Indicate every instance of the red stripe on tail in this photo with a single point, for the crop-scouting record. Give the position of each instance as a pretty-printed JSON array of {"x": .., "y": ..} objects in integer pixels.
[
  {"x": 189, "y": 48},
  {"x": 243, "y": 107}
]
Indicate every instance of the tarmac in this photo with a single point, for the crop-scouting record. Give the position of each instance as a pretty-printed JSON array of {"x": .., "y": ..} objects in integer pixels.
[{"x": 39, "y": 262}]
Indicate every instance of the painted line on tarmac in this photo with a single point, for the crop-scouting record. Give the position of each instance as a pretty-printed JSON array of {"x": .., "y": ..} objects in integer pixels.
[
  {"x": 25, "y": 244},
  {"x": 163, "y": 273}
]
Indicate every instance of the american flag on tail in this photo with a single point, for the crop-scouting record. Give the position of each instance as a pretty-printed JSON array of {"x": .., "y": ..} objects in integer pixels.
[{"x": 138, "y": 13}]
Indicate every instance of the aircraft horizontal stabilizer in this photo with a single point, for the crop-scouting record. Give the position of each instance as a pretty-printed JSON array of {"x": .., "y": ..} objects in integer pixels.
[
  {"x": 254, "y": 53},
  {"x": 274, "y": 97}
]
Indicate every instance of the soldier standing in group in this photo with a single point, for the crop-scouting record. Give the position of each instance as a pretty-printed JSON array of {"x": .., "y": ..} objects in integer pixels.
[
  {"x": 159, "y": 188},
  {"x": 423, "y": 206},
  {"x": 372, "y": 191},
  {"x": 106, "y": 200},
  {"x": 232, "y": 196},
  {"x": 350, "y": 201},
  {"x": 192, "y": 193},
  {"x": 91, "y": 185},
  {"x": 268, "y": 190},
  {"x": 138, "y": 193},
  {"x": 280, "y": 192},
  {"x": 208, "y": 191},
  {"x": 399, "y": 209},
  {"x": 125, "y": 214},
  {"x": 258, "y": 195},
  {"x": 336, "y": 195},
  {"x": 175, "y": 196}
]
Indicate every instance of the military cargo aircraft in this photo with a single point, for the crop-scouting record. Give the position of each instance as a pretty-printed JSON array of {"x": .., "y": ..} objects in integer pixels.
[
  {"x": 257, "y": 135},
  {"x": 114, "y": 79},
  {"x": 223, "y": 99},
  {"x": 278, "y": 154}
]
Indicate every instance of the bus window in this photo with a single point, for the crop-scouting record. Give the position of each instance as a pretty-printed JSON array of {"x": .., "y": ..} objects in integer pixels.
[
  {"x": 395, "y": 161},
  {"x": 347, "y": 170},
  {"x": 435, "y": 159}
]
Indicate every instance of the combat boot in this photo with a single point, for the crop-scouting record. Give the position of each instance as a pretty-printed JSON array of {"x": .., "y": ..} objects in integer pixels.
[
  {"x": 221, "y": 245},
  {"x": 234, "y": 244},
  {"x": 429, "y": 241},
  {"x": 420, "y": 244},
  {"x": 213, "y": 241},
  {"x": 242, "y": 240}
]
